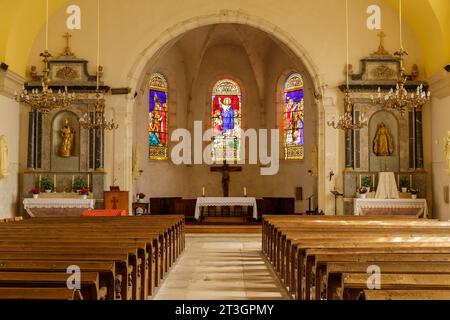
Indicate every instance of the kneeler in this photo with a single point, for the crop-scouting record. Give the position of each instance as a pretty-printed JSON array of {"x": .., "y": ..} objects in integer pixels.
[{"x": 104, "y": 213}]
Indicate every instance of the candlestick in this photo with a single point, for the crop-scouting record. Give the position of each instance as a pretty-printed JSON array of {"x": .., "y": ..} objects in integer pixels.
[
  {"x": 203, "y": 191},
  {"x": 410, "y": 182},
  {"x": 40, "y": 178},
  {"x": 245, "y": 192},
  {"x": 73, "y": 181},
  {"x": 54, "y": 182},
  {"x": 89, "y": 182}
]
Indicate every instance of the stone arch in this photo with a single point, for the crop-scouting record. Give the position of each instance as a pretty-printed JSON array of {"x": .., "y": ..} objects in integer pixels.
[{"x": 151, "y": 47}]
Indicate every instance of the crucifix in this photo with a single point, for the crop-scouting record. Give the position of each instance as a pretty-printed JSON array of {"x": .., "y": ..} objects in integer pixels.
[
  {"x": 226, "y": 169},
  {"x": 67, "y": 50}
]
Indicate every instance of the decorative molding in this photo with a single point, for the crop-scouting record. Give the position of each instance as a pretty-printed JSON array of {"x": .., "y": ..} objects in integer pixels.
[
  {"x": 440, "y": 84},
  {"x": 10, "y": 82}
]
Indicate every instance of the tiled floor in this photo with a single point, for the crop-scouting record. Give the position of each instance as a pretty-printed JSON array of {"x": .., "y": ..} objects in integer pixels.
[{"x": 221, "y": 267}]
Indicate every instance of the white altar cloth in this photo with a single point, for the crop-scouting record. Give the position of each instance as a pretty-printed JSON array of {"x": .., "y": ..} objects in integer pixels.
[
  {"x": 387, "y": 186},
  {"x": 51, "y": 203},
  {"x": 225, "y": 202},
  {"x": 361, "y": 204}
]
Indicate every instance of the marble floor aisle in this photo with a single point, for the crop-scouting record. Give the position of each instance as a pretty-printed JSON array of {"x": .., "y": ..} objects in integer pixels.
[{"x": 222, "y": 267}]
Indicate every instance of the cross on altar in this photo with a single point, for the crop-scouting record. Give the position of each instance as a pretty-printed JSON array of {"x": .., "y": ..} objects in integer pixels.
[
  {"x": 381, "y": 50},
  {"x": 226, "y": 169},
  {"x": 114, "y": 202},
  {"x": 67, "y": 50}
]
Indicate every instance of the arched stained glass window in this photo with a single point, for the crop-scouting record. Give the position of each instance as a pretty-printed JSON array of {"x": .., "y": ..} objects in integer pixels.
[
  {"x": 226, "y": 121},
  {"x": 293, "y": 118},
  {"x": 158, "y": 117}
]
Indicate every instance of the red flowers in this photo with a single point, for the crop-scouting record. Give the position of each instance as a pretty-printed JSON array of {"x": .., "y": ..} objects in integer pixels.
[
  {"x": 35, "y": 190},
  {"x": 84, "y": 192}
]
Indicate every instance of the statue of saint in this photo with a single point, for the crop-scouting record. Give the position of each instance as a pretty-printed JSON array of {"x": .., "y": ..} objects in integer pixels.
[
  {"x": 383, "y": 144},
  {"x": 67, "y": 135},
  {"x": 4, "y": 157},
  {"x": 447, "y": 151}
]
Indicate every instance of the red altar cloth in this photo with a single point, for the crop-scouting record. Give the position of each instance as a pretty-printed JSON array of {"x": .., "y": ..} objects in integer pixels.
[{"x": 104, "y": 213}]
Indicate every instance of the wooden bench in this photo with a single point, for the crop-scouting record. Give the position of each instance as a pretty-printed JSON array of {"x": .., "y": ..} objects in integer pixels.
[{"x": 141, "y": 250}]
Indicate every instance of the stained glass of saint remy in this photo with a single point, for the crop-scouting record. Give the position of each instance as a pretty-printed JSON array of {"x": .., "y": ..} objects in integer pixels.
[
  {"x": 158, "y": 118},
  {"x": 226, "y": 121},
  {"x": 293, "y": 119}
]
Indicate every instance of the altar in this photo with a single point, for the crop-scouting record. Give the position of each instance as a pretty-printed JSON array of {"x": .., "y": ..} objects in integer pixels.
[
  {"x": 57, "y": 207},
  {"x": 225, "y": 202},
  {"x": 414, "y": 207}
]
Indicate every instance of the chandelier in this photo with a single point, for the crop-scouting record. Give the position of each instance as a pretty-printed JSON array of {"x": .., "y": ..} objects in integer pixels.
[
  {"x": 400, "y": 99},
  {"x": 45, "y": 100},
  {"x": 98, "y": 123},
  {"x": 346, "y": 121}
]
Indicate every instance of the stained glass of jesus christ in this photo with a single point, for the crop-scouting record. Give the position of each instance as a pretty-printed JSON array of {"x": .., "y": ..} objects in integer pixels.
[{"x": 226, "y": 121}]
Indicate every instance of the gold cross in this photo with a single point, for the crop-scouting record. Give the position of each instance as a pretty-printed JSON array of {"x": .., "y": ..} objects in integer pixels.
[
  {"x": 381, "y": 50},
  {"x": 67, "y": 50}
]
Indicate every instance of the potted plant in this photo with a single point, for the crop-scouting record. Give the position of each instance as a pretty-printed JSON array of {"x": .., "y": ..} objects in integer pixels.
[
  {"x": 366, "y": 182},
  {"x": 46, "y": 184},
  {"x": 404, "y": 184},
  {"x": 140, "y": 197},
  {"x": 414, "y": 193},
  {"x": 362, "y": 192},
  {"x": 35, "y": 192},
  {"x": 84, "y": 193},
  {"x": 79, "y": 184}
]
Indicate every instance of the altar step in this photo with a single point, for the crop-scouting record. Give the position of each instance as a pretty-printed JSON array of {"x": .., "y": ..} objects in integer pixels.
[{"x": 221, "y": 228}]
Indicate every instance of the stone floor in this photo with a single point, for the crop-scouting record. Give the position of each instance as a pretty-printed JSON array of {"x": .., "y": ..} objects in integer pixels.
[{"x": 222, "y": 267}]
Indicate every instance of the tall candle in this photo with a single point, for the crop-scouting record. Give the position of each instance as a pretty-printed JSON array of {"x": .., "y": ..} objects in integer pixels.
[
  {"x": 54, "y": 182},
  {"x": 410, "y": 181},
  {"x": 89, "y": 182},
  {"x": 40, "y": 178},
  {"x": 245, "y": 191},
  {"x": 73, "y": 181},
  {"x": 203, "y": 191}
]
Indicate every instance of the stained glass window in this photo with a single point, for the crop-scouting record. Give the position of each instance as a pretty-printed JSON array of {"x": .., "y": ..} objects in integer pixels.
[
  {"x": 226, "y": 121},
  {"x": 293, "y": 118},
  {"x": 158, "y": 117}
]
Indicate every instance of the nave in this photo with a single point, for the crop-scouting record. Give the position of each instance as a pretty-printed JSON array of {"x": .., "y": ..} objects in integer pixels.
[{"x": 222, "y": 267}]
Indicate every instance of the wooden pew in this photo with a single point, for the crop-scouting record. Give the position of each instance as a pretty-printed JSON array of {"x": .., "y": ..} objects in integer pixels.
[
  {"x": 287, "y": 239},
  {"x": 354, "y": 283},
  {"x": 90, "y": 288},
  {"x": 405, "y": 295},
  {"x": 39, "y": 294},
  {"x": 79, "y": 236}
]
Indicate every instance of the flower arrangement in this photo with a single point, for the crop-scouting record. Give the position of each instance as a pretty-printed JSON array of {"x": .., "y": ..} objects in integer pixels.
[
  {"x": 362, "y": 190},
  {"x": 35, "y": 191},
  {"x": 414, "y": 193},
  {"x": 46, "y": 184},
  {"x": 84, "y": 192},
  {"x": 79, "y": 184},
  {"x": 366, "y": 182}
]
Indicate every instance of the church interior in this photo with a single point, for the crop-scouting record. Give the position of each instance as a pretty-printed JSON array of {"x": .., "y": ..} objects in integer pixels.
[{"x": 239, "y": 150}]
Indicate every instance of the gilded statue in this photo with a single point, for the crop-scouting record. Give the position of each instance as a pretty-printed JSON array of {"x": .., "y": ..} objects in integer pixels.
[
  {"x": 383, "y": 144},
  {"x": 67, "y": 135}
]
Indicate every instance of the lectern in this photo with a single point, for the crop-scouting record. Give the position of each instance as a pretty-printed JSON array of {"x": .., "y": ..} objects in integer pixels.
[{"x": 117, "y": 200}]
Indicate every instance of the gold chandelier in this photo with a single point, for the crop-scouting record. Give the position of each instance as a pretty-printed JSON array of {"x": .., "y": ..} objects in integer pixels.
[
  {"x": 400, "y": 99},
  {"x": 45, "y": 100},
  {"x": 98, "y": 123},
  {"x": 345, "y": 122}
]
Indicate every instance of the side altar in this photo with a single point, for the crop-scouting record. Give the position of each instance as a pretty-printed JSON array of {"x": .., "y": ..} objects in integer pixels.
[
  {"x": 58, "y": 148},
  {"x": 392, "y": 141}
]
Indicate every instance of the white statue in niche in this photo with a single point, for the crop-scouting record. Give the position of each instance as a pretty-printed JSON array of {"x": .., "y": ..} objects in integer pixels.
[{"x": 4, "y": 157}]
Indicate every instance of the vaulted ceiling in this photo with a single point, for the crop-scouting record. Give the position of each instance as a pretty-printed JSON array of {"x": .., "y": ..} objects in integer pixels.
[{"x": 23, "y": 19}]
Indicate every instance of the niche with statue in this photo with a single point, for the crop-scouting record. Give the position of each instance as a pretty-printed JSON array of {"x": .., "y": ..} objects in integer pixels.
[{"x": 65, "y": 142}]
